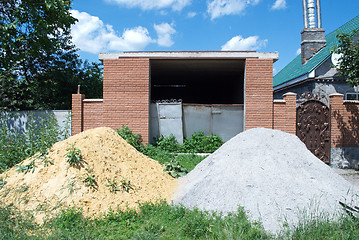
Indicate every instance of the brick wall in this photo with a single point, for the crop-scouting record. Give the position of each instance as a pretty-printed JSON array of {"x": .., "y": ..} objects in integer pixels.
[
  {"x": 126, "y": 94},
  {"x": 284, "y": 113},
  {"x": 92, "y": 113},
  {"x": 77, "y": 112},
  {"x": 259, "y": 93},
  {"x": 344, "y": 121}
]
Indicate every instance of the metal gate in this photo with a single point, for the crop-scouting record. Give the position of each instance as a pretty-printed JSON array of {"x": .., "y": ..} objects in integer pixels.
[{"x": 313, "y": 128}]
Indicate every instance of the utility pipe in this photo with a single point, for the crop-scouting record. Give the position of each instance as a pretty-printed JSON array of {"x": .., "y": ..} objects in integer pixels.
[
  {"x": 319, "y": 17},
  {"x": 305, "y": 13}
]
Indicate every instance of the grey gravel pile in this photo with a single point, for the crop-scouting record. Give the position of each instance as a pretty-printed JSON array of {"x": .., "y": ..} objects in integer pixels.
[{"x": 268, "y": 172}]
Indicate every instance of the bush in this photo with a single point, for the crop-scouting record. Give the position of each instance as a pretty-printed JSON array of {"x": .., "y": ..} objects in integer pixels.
[
  {"x": 16, "y": 145},
  {"x": 198, "y": 143},
  {"x": 168, "y": 143},
  {"x": 134, "y": 140}
]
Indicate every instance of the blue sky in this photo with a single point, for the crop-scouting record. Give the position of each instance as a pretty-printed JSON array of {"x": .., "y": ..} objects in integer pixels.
[{"x": 199, "y": 25}]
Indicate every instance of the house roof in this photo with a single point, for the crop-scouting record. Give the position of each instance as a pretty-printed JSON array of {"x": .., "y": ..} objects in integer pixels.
[{"x": 295, "y": 69}]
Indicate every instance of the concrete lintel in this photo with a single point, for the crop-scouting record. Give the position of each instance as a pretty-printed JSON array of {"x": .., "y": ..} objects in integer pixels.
[
  {"x": 278, "y": 101},
  {"x": 193, "y": 54},
  {"x": 290, "y": 94},
  {"x": 336, "y": 95},
  {"x": 93, "y": 100}
]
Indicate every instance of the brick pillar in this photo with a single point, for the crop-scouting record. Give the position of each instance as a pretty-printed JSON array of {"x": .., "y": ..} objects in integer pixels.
[
  {"x": 290, "y": 112},
  {"x": 126, "y": 94},
  {"x": 258, "y": 93},
  {"x": 336, "y": 110},
  {"x": 77, "y": 113}
]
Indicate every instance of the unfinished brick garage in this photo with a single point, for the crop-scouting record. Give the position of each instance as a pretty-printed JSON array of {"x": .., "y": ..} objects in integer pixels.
[{"x": 222, "y": 92}]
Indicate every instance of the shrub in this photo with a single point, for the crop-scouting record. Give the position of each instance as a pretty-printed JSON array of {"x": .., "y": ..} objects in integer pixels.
[
  {"x": 134, "y": 140},
  {"x": 16, "y": 145},
  {"x": 199, "y": 143},
  {"x": 168, "y": 143},
  {"x": 73, "y": 156}
]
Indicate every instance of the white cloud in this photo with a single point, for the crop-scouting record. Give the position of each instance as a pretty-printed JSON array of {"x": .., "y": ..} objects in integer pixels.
[
  {"x": 238, "y": 43},
  {"x": 218, "y": 8},
  {"x": 299, "y": 51},
  {"x": 279, "y": 4},
  {"x": 164, "y": 32},
  {"x": 153, "y": 4},
  {"x": 90, "y": 34},
  {"x": 191, "y": 14}
]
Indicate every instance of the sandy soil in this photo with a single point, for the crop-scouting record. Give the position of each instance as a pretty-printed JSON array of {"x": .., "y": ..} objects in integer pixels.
[{"x": 107, "y": 157}]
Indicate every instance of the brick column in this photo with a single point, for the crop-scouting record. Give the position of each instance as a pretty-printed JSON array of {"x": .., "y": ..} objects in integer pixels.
[
  {"x": 77, "y": 113},
  {"x": 126, "y": 94},
  {"x": 290, "y": 112},
  {"x": 258, "y": 93},
  {"x": 336, "y": 110}
]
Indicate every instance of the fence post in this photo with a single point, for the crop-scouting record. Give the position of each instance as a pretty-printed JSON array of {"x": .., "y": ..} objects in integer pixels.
[
  {"x": 77, "y": 113},
  {"x": 291, "y": 112},
  {"x": 336, "y": 109}
]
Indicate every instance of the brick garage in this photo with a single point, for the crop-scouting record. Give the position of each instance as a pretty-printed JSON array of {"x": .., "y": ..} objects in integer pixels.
[{"x": 131, "y": 78}]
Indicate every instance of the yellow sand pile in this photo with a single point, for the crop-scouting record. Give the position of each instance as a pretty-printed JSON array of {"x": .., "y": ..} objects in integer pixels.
[{"x": 112, "y": 162}]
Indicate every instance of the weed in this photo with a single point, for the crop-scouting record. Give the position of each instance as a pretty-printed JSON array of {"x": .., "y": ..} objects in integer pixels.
[
  {"x": 134, "y": 140},
  {"x": 189, "y": 161},
  {"x": 74, "y": 157},
  {"x": 168, "y": 143},
  {"x": 90, "y": 181},
  {"x": 40, "y": 133},
  {"x": 112, "y": 185},
  {"x": 126, "y": 185},
  {"x": 175, "y": 169},
  {"x": 71, "y": 186},
  {"x": 47, "y": 161},
  {"x": 27, "y": 168}
]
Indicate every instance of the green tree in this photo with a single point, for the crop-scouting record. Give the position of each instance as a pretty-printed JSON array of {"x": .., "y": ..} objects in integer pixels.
[
  {"x": 39, "y": 67},
  {"x": 348, "y": 47}
]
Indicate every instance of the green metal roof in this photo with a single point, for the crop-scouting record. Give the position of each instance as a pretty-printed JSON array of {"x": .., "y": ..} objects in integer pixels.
[{"x": 295, "y": 68}]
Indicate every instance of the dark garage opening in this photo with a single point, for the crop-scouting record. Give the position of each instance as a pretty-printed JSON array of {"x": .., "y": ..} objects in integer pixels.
[{"x": 218, "y": 81}]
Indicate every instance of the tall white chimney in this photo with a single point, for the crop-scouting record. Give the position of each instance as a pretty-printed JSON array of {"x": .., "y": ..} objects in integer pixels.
[{"x": 313, "y": 35}]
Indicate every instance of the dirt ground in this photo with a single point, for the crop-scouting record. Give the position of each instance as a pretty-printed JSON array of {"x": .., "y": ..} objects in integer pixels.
[{"x": 350, "y": 175}]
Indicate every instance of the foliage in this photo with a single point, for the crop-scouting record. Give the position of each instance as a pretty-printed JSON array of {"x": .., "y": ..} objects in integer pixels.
[
  {"x": 168, "y": 143},
  {"x": 27, "y": 168},
  {"x": 164, "y": 148},
  {"x": 349, "y": 60},
  {"x": 126, "y": 185},
  {"x": 162, "y": 156},
  {"x": 134, "y": 140},
  {"x": 39, "y": 67},
  {"x": 40, "y": 133},
  {"x": 198, "y": 143},
  {"x": 175, "y": 169},
  {"x": 112, "y": 185},
  {"x": 202, "y": 144},
  {"x": 16, "y": 225},
  {"x": 90, "y": 181},
  {"x": 73, "y": 156},
  {"x": 189, "y": 161},
  {"x": 163, "y": 221},
  {"x": 153, "y": 221},
  {"x": 323, "y": 227}
]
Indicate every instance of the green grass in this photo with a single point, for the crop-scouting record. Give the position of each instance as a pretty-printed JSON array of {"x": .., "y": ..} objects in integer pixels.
[
  {"x": 189, "y": 161},
  {"x": 153, "y": 221},
  {"x": 163, "y": 221}
]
